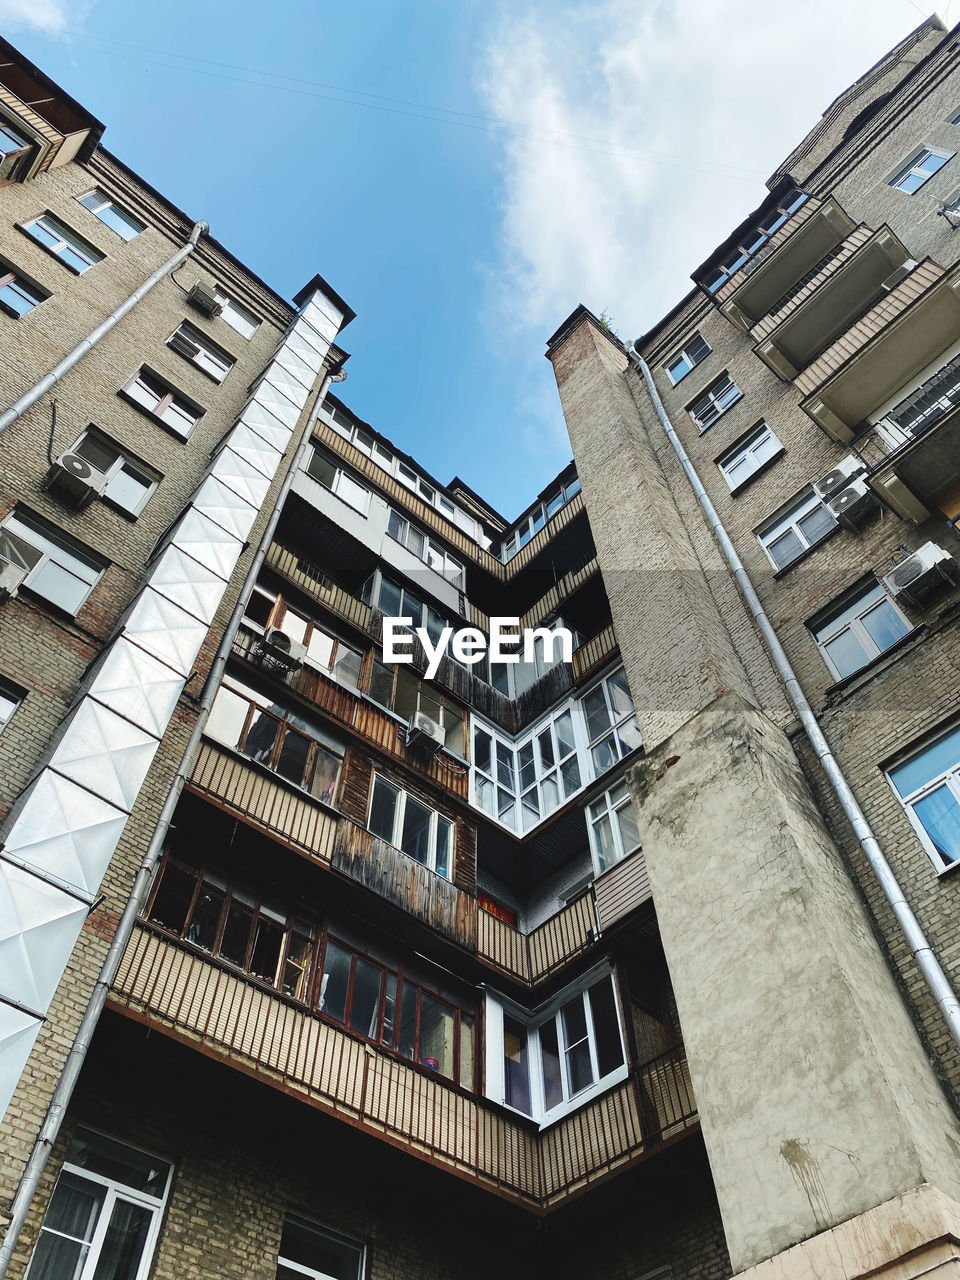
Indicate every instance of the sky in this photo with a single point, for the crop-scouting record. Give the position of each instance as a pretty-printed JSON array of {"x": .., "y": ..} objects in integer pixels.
[{"x": 463, "y": 174}]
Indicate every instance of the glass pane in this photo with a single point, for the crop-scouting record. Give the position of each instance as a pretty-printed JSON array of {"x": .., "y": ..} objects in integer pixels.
[
  {"x": 929, "y": 764},
  {"x": 437, "y": 1031},
  {"x": 604, "y": 754},
  {"x": 607, "y": 851},
  {"x": 550, "y": 1065},
  {"x": 383, "y": 809},
  {"x": 227, "y": 716},
  {"x": 347, "y": 666},
  {"x": 122, "y": 223},
  {"x": 320, "y": 647},
  {"x": 236, "y": 933},
  {"x": 484, "y": 790},
  {"x": 528, "y": 772},
  {"x": 550, "y": 793},
  {"x": 202, "y": 929},
  {"x": 267, "y": 949},
  {"x": 326, "y": 774},
  {"x": 18, "y": 297},
  {"x": 322, "y": 469},
  {"x": 574, "y": 1019},
  {"x": 884, "y": 625},
  {"x": 407, "y": 1037},
  {"x": 124, "y": 1241},
  {"x": 296, "y": 966},
  {"x": 143, "y": 394},
  {"x": 595, "y": 711},
  {"x": 545, "y": 745},
  {"x": 570, "y": 773},
  {"x": 466, "y": 1051},
  {"x": 294, "y": 755},
  {"x": 57, "y": 1258},
  {"x": 785, "y": 548},
  {"x": 563, "y": 727},
  {"x": 506, "y": 808},
  {"x": 381, "y": 684},
  {"x": 261, "y": 737},
  {"x": 179, "y": 417},
  {"x": 59, "y": 586},
  {"x": 174, "y": 895},
  {"x": 606, "y": 1027},
  {"x": 444, "y": 847},
  {"x": 321, "y": 1253},
  {"x": 846, "y": 653},
  {"x": 939, "y": 813},
  {"x": 619, "y": 692},
  {"x": 389, "y": 1011},
  {"x": 75, "y": 1207},
  {"x": 628, "y": 735},
  {"x": 505, "y": 774},
  {"x": 123, "y": 1164},
  {"x": 333, "y": 984},
  {"x": 415, "y": 836},
  {"x": 629, "y": 834},
  {"x": 529, "y": 809},
  {"x": 579, "y": 1069},
  {"x": 355, "y": 495},
  {"x": 365, "y": 1004},
  {"x": 128, "y": 489},
  {"x": 482, "y": 750},
  {"x": 817, "y": 524},
  {"x": 516, "y": 1072}
]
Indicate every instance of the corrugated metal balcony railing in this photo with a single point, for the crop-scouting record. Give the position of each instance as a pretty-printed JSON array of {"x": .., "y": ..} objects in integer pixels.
[{"x": 236, "y": 1019}]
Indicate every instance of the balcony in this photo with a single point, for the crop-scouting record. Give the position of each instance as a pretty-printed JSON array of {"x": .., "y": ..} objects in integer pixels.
[
  {"x": 884, "y": 350},
  {"x": 234, "y": 1018},
  {"x": 55, "y": 128},
  {"x": 804, "y": 240},
  {"x": 838, "y": 293},
  {"x": 319, "y": 586},
  {"x": 913, "y": 452}
]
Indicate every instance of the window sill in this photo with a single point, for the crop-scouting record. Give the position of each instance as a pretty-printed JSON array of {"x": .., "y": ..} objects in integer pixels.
[
  {"x": 75, "y": 271},
  {"x": 804, "y": 555},
  {"x": 755, "y": 475},
  {"x": 159, "y": 422}
]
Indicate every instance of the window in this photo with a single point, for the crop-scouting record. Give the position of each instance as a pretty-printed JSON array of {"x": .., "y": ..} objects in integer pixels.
[
  {"x": 129, "y": 485},
  {"x": 398, "y": 1010},
  {"x": 613, "y": 828},
  {"x": 324, "y": 647},
  {"x": 324, "y": 470},
  {"x": 547, "y": 1065},
  {"x": 916, "y": 172},
  {"x": 160, "y": 400},
  {"x": 404, "y": 692},
  {"x": 397, "y": 602},
  {"x": 425, "y": 549},
  {"x": 10, "y": 139},
  {"x": 199, "y": 350},
  {"x": 693, "y": 351},
  {"x": 277, "y": 737},
  {"x": 63, "y": 243},
  {"x": 104, "y": 1216},
  {"x": 526, "y": 782},
  {"x": 17, "y": 295},
  {"x": 928, "y": 784},
  {"x": 533, "y": 521},
  {"x": 111, "y": 215},
  {"x": 859, "y": 630},
  {"x": 60, "y": 569},
  {"x": 747, "y": 457},
  {"x": 409, "y": 825},
  {"x": 310, "y": 1251},
  {"x": 801, "y": 526},
  {"x": 611, "y": 722},
  {"x": 11, "y": 695},
  {"x": 236, "y": 316},
  {"x": 752, "y": 241},
  {"x": 714, "y": 402}
]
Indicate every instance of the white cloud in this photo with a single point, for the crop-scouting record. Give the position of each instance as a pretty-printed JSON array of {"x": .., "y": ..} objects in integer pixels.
[
  {"x": 708, "y": 84},
  {"x": 55, "y": 17}
]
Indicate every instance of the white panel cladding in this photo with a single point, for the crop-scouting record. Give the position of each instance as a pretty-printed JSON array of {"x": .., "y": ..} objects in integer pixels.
[
  {"x": 219, "y": 503},
  {"x": 66, "y": 827},
  {"x": 138, "y": 686},
  {"x": 240, "y": 476},
  {"x": 18, "y": 1031},
  {"x": 105, "y": 753},
  {"x": 65, "y": 832},
  {"x": 288, "y": 360},
  {"x": 39, "y": 927},
  {"x": 187, "y": 583},
  {"x": 254, "y": 450}
]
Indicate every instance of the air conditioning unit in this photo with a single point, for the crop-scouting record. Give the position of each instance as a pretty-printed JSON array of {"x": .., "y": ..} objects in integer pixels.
[
  {"x": 853, "y": 504},
  {"x": 839, "y": 477},
  {"x": 424, "y": 732},
  {"x": 204, "y": 301},
  {"x": 75, "y": 480},
  {"x": 11, "y": 579},
  {"x": 926, "y": 573},
  {"x": 279, "y": 647},
  {"x": 900, "y": 274},
  {"x": 182, "y": 344}
]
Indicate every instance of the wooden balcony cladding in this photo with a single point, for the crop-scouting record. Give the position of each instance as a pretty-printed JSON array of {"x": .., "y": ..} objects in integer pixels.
[
  {"x": 236, "y": 1020},
  {"x": 319, "y": 587},
  {"x": 621, "y": 889},
  {"x": 393, "y": 875},
  {"x": 594, "y": 653},
  {"x": 531, "y": 957},
  {"x": 568, "y": 584},
  {"x": 537, "y": 543}
]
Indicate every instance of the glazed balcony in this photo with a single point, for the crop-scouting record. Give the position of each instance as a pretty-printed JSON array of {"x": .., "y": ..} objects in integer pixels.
[
  {"x": 167, "y": 984},
  {"x": 284, "y": 813},
  {"x": 883, "y": 350},
  {"x": 839, "y": 291},
  {"x": 913, "y": 452},
  {"x": 804, "y": 240}
]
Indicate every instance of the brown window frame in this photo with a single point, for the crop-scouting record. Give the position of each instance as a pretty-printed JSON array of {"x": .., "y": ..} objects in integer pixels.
[{"x": 145, "y": 375}]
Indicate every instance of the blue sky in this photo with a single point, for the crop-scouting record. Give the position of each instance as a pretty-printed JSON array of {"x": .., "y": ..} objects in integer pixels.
[{"x": 462, "y": 236}]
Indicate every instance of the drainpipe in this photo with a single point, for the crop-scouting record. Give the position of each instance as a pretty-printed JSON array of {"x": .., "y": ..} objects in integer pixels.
[
  {"x": 31, "y": 397},
  {"x": 926, "y": 959},
  {"x": 50, "y": 1129}
]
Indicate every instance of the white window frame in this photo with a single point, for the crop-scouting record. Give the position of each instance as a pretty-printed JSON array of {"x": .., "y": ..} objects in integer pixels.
[
  {"x": 450, "y": 569},
  {"x": 311, "y": 1272},
  {"x": 20, "y": 528},
  {"x": 685, "y": 356},
  {"x": 102, "y": 203},
  {"x": 746, "y": 451},
  {"x": 948, "y": 778},
  {"x": 912, "y": 169},
  {"x": 11, "y": 696},
  {"x": 614, "y": 727},
  {"x": 789, "y": 519},
  {"x": 23, "y": 288},
  {"x": 236, "y": 315},
  {"x": 397, "y": 833},
  {"x": 123, "y": 462},
  {"x": 66, "y": 241},
  {"x": 609, "y": 806},
  {"x": 341, "y": 487},
  {"x": 116, "y": 1191},
  {"x": 208, "y": 358},
  {"x": 713, "y": 402},
  {"x": 497, "y": 1006},
  {"x": 869, "y": 597}
]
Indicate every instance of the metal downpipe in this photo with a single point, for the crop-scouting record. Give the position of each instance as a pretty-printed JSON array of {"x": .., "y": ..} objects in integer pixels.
[
  {"x": 60, "y": 1100},
  {"x": 927, "y": 961},
  {"x": 29, "y": 398}
]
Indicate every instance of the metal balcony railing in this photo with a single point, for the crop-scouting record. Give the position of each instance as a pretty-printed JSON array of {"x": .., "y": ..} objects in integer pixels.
[{"x": 913, "y": 417}]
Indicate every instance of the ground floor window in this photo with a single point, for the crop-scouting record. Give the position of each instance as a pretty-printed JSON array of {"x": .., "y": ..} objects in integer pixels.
[
  {"x": 306, "y": 1250},
  {"x": 104, "y": 1217}
]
